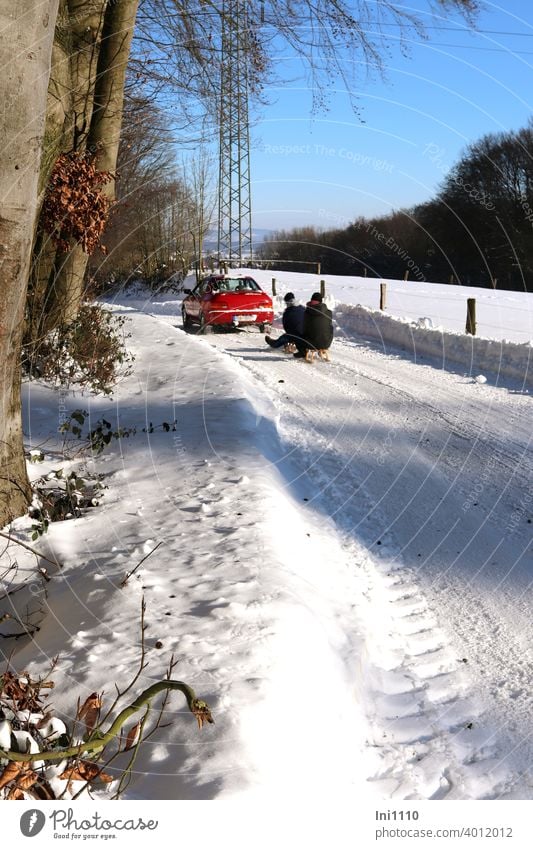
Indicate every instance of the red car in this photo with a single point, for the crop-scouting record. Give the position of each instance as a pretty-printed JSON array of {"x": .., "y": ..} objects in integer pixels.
[{"x": 224, "y": 300}]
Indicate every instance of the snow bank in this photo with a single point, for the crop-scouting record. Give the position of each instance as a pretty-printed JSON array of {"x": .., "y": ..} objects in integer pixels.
[
  {"x": 425, "y": 319},
  {"x": 420, "y": 338},
  {"x": 501, "y": 315}
]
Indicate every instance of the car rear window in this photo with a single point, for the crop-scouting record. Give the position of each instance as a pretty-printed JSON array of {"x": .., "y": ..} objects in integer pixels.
[{"x": 236, "y": 284}]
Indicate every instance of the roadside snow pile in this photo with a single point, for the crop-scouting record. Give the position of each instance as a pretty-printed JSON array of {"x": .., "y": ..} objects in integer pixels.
[
  {"x": 423, "y": 318},
  {"x": 420, "y": 337},
  {"x": 501, "y": 315}
]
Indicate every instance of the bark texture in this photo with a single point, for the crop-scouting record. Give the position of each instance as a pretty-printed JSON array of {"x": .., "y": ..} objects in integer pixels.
[
  {"x": 25, "y": 56},
  {"x": 69, "y": 111},
  {"x": 57, "y": 138},
  {"x": 103, "y": 138}
]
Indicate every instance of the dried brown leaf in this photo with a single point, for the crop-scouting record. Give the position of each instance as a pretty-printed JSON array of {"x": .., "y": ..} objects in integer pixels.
[
  {"x": 22, "y": 777},
  {"x": 27, "y": 779},
  {"x": 11, "y": 773},
  {"x": 74, "y": 206},
  {"x": 15, "y": 794},
  {"x": 133, "y": 736},
  {"x": 202, "y": 713},
  {"x": 85, "y": 771},
  {"x": 90, "y": 711}
]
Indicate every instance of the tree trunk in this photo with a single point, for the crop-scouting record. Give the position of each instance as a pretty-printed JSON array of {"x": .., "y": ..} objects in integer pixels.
[
  {"x": 103, "y": 137},
  {"x": 57, "y": 138},
  {"x": 106, "y": 124},
  {"x": 25, "y": 56},
  {"x": 77, "y": 46},
  {"x": 86, "y": 19}
]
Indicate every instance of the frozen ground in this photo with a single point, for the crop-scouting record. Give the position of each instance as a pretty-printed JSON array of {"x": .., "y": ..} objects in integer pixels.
[{"x": 344, "y": 574}]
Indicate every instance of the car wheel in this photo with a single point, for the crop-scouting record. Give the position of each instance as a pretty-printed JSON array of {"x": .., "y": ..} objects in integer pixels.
[
  {"x": 204, "y": 326},
  {"x": 186, "y": 319},
  {"x": 264, "y": 328}
]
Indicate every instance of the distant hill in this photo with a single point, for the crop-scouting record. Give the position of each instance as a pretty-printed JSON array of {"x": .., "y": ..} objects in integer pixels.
[{"x": 258, "y": 236}]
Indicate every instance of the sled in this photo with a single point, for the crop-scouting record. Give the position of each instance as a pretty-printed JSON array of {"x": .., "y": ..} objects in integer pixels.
[{"x": 323, "y": 353}]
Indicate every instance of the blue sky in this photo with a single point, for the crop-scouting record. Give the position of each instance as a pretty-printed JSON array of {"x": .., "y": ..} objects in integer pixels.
[{"x": 454, "y": 88}]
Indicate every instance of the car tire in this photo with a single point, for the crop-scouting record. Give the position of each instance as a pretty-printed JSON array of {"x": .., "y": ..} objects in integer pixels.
[
  {"x": 185, "y": 319},
  {"x": 204, "y": 326},
  {"x": 265, "y": 328}
]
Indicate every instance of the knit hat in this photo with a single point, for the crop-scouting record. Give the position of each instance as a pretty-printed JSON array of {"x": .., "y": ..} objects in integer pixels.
[
  {"x": 289, "y": 297},
  {"x": 316, "y": 296}
]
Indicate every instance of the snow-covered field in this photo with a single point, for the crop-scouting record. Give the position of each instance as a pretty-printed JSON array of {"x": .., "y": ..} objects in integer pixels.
[
  {"x": 501, "y": 315},
  {"x": 345, "y": 564}
]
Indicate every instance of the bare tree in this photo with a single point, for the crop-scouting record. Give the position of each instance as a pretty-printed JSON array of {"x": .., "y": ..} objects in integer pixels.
[
  {"x": 198, "y": 173},
  {"x": 342, "y": 40},
  {"x": 103, "y": 139},
  {"x": 149, "y": 227},
  {"x": 25, "y": 56},
  {"x": 335, "y": 39},
  {"x": 76, "y": 47}
]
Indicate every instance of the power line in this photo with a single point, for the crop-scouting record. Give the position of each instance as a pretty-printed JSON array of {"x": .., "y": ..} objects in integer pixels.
[
  {"x": 469, "y": 31},
  {"x": 509, "y": 50}
]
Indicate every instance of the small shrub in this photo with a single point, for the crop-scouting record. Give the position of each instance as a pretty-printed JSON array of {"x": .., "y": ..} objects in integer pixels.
[
  {"x": 58, "y": 496},
  {"x": 89, "y": 352},
  {"x": 103, "y": 431}
]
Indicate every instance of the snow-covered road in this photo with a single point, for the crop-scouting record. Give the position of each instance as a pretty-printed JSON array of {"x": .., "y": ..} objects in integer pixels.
[
  {"x": 430, "y": 471},
  {"x": 340, "y": 562}
]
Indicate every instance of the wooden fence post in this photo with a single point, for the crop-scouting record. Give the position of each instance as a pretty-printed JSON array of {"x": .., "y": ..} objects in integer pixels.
[
  {"x": 494, "y": 282},
  {"x": 365, "y": 271},
  {"x": 274, "y": 286},
  {"x": 406, "y": 275},
  {"x": 382, "y": 296},
  {"x": 471, "y": 316},
  {"x": 452, "y": 279},
  {"x": 318, "y": 268},
  {"x": 323, "y": 288}
]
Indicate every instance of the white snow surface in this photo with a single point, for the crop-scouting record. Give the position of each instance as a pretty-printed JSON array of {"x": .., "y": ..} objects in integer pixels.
[
  {"x": 345, "y": 563},
  {"x": 427, "y": 319}
]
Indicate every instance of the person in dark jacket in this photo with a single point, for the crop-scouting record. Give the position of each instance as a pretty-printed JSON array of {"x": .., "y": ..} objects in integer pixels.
[
  {"x": 293, "y": 324},
  {"x": 318, "y": 327}
]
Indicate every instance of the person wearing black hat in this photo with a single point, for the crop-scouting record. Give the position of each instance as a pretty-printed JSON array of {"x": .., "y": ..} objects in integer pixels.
[
  {"x": 293, "y": 322},
  {"x": 317, "y": 328}
]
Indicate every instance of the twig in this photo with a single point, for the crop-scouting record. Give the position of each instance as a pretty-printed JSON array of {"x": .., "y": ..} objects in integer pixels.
[
  {"x": 33, "y": 550},
  {"x": 126, "y": 776},
  {"x": 128, "y": 576},
  {"x": 142, "y": 666},
  {"x": 98, "y": 740},
  {"x": 22, "y": 634},
  {"x": 13, "y": 591}
]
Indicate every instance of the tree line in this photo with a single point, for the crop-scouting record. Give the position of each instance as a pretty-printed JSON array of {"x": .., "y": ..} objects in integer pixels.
[{"x": 477, "y": 231}]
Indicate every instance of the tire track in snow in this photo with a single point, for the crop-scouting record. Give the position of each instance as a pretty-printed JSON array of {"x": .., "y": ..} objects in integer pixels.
[{"x": 428, "y": 741}]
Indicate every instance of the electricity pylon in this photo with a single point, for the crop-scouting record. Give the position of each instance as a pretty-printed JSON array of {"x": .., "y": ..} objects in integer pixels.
[{"x": 234, "y": 195}]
